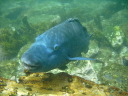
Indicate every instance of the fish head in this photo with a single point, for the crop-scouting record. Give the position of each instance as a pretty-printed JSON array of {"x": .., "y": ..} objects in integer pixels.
[{"x": 40, "y": 58}]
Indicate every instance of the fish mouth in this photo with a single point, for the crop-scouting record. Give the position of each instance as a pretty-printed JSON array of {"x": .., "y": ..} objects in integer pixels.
[{"x": 31, "y": 67}]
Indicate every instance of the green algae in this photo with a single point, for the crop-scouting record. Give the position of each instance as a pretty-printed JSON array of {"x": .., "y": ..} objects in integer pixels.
[
  {"x": 10, "y": 42},
  {"x": 8, "y": 68},
  {"x": 111, "y": 75},
  {"x": 45, "y": 84},
  {"x": 11, "y": 39}
]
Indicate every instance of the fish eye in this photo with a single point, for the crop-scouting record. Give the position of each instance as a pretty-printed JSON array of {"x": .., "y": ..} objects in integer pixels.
[{"x": 56, "y": 47}]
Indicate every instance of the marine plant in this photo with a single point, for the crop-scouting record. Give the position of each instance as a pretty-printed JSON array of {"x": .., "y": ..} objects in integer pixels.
[
  {"x": 12, "y": 39},
  {"x": 110, "y": 75},
  {"x": 8, "y": 68}
]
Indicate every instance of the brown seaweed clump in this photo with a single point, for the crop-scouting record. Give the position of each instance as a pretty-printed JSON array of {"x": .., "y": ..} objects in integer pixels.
[{"x": 48, "y": 84}]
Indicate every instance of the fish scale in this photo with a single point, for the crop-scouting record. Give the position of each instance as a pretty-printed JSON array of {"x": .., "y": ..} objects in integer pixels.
[{"x": 57, "y": 46}]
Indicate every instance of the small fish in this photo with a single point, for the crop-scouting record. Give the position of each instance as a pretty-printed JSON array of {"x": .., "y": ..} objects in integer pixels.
[{"x": 56, "y": 47}]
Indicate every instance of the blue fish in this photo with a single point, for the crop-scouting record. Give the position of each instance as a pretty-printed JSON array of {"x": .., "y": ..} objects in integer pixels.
[{"x": 56, "y": 47}]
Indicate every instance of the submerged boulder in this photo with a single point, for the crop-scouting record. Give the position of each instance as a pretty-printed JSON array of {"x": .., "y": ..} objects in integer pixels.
[{"x": 48, "y": 84}]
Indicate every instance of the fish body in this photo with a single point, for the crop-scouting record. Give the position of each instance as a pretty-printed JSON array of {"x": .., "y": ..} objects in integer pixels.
[{"x": 56, "y": 47}]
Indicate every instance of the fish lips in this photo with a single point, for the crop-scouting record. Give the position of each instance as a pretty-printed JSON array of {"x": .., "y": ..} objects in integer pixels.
[{"x": 31, "y": 67}]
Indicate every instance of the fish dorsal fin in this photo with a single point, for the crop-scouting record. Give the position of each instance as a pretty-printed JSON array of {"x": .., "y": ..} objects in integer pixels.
[{"x": 79, "y": 58}]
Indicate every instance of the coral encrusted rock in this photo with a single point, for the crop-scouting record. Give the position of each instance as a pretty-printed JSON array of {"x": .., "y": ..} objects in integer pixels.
[{"x": 61, "y": 84}]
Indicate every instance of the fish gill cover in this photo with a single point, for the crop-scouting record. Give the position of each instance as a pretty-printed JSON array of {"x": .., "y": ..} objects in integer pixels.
[{"x": 21, "y": 21}]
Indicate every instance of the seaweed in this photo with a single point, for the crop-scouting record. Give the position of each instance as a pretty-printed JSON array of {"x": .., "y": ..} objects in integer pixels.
[
  {"x": 12, "y": 39},
  {"x": 10, "y": 42}
]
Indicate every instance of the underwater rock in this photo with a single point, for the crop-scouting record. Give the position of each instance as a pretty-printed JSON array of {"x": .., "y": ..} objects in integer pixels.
[
  {"x": 8, "y": 68},
  {"x": 124, "y": 56},
  {"x": 107, "y": 12},
  {"x": 119, "y": 18},
  {"x": 125, "y": 61},
  {"x": 114, "y": 75},
  {"x": 2, "y": 55},
  {"x": 93, "y": 49},
  {"x": 46, "y": 18},
  {"x": 10, "y": 41},
  {"x": 114, "y": 28},
  {"x": 117, "y": 37},
  {"x": 14, "y": 13},
  {"x": 86, "y": 69},
  {"x": 113, "y": 34},
  {"x": 44, "y": 12},
  {"x": 48, "y": 84}
]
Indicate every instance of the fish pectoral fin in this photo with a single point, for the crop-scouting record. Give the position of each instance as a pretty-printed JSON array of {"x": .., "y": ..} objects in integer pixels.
[
  {"x": 79, "y": 58},
  {"x": 63, "y": 67}
]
